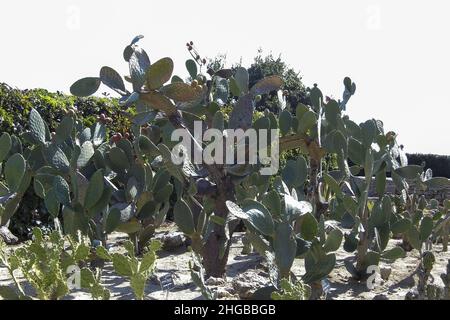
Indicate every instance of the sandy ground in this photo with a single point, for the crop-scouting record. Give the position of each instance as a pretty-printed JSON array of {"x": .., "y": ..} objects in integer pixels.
[{"x": 245, "y": 272}]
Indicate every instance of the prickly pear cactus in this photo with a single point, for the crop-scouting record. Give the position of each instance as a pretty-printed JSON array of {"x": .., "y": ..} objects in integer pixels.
[
  {"x": 65, "y": 173},
  {"x": 137, "y": 270},
  {"x": 286, "y": 216},
  {"x": 46, "y": 263}
]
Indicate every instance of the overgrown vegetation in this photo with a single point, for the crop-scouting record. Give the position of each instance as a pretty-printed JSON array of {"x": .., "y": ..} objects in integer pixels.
[
  {"x": 15, "y": 106},
  {"x": 94, "y": 185}
]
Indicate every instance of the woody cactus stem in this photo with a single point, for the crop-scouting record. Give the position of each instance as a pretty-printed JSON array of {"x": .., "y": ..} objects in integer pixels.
[
  {"x": 214, "y": 259},
  {"x": 313, "y": 189},
  {"x": 363, "y": 245},
  {"x": 363, "y": 214},
  {"x": 313, "y": 197}
]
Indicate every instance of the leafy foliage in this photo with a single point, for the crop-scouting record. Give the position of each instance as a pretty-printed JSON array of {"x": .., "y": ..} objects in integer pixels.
[
  {"x": 45, "y": 263},
  {"x": 137, "y": 270},
  {"x": 292, "y": 291},
  {"x": 128, "y": 183}
]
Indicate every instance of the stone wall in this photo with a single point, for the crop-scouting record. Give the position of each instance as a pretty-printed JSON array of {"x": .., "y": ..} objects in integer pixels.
[{"x": 438, "y": 194}]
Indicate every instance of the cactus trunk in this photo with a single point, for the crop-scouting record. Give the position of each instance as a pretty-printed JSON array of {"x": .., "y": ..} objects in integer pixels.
[
  {"x": 363, "y": 243},
  {"x": 316, "y": 290},
  {"x": 217, "y": 246},
  {"x": 445, "y": 243},
  {"x": 213, "y": 262},
  {"x": 313, "y": 188}
]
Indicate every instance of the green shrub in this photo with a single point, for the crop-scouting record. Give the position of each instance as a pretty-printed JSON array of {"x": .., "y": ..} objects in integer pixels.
[
  {"x": 15, "y": 106},
  {"x": 440, "y": 165}
]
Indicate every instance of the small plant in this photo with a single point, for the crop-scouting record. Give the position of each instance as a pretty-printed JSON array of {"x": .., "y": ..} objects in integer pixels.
[
  {"x": 198, "y": 277},
  {"x": 45, "y": 263},
  {"x": 445, "y": 276},
  {"x": 140, "y": 200},
  {"x": 282, "y": 228},
  {"x": 137, "y": 270},
  {"x": 15, "y": 176},
  {"x": 66, "y": 176},
  {"x": 292, "y": 291}
]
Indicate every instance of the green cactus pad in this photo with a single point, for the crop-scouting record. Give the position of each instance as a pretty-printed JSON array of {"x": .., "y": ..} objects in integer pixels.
[
  {"x": 267, "y": 85},
  {"x": 95, "y": 189},
  {"x": 285, "y": 248},
  {"x": 62, "y": 190},
  {"x": 242, "y": 79},
  {"x": 112, "y": 220},
  {"x": 425, "y": 228},
  {"x": 37, "y": 127},
  {"x": 5, "y": 146},
  {"x": 139, "y": 64},
  {"x": 259, "y": 217},
  {"x": 294, "y": 209},
  {"x": 14, "y": 171},
  {"x": 57, "y": 158},
  {"x": 308, "y": 227},
  {"x": 409, "y": 172},
  {"x": 85, "y": 87},
  {"x": 159, "y": 73},
  {"x": 119, "y": 159},
  {"x": 393, "y": 254},
  {"x": 183, "y": 217},
  {"x": 307, "y": 121},
  {"x": 86, "y": 153},
  {"x": 64, "y": 130},
  {"x": 242, "y": 114},
  {"x": 181, "y": 92},
  {"x": 112, "y": 79},
  {"x": 191, "y": 66},
  {"x": 333, "y": 241},
  {"x": 158, "y": 101},
  {"x": 285, "y": 122}
]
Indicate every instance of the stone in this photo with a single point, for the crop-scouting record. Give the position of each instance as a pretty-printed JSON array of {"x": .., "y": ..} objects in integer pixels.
[
  {"x": 7, "y": 236},
  {"x": 172, "y": 240},
  {"x": 224, "y": 294},
  {"x": 385, "y": 272},
  {"x": 380, "y": 297},
  {"x": 215, "y": 281},
  {"x": 248, "y": 282}
]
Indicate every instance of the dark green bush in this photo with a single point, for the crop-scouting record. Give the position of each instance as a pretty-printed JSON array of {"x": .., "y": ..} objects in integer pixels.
[
  {"x": 274, "y": 66},
  {"x": 265, "y": 66},
  {"x": 15, "y": 106},
  {"x": 440, "y": 165}
]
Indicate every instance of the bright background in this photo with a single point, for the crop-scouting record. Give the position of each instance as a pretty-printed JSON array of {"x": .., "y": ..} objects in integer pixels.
[{"x": 397, "y": 52}]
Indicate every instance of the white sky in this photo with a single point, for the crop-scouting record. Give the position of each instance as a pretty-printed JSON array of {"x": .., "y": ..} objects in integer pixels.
[{"x": 397, "y": 51}]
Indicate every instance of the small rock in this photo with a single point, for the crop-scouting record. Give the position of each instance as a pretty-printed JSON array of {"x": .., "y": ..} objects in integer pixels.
[
  {"x": 7, "y": 236},
  {"x": 247, "y": 283},
  {"x": 215, "y": 281},
  {"x": 331, "y": 225},
  {"x": 380, "y": 297},
  {"x": 385, "y": 272},
  {"x": 171, "y": 240},
  {"x": 223, "y": 293},
  {"x": 412, "y": 295}
]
